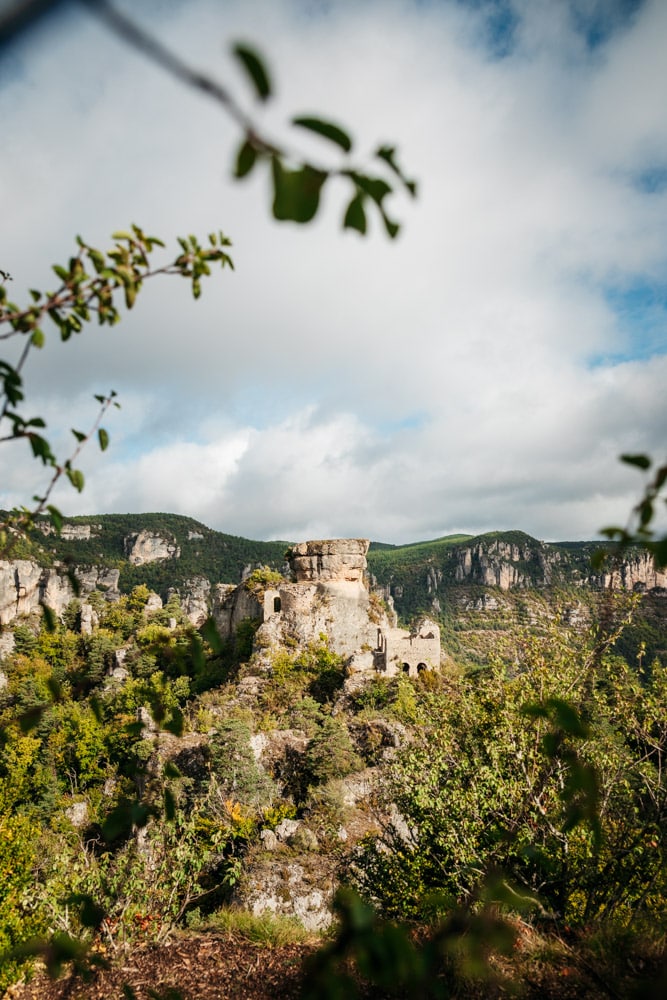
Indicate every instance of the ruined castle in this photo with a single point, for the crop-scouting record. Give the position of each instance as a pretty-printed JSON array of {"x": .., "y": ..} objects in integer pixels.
[{"x": 327, "y": 594}]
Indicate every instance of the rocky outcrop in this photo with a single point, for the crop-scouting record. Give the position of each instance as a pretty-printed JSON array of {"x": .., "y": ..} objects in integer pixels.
[
  {"x": 338, "y": 559},
  {"x": 71, "y": 532},
  {"x": 636, "y": 572},
  {"x": 327, "y": 597},
  {"x": 505, "y": 565},
  {"x": 148, "y": 546},
  {"x": 231, "y": 605},
  {"x": 7, "y": 644},
  {"x": 25, "y": 586},
  {"x": 302, "y": 886},
  {"x": 195, "y": 599}
]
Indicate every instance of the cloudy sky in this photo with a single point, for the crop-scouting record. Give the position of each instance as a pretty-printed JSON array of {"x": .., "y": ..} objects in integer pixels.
[{"x": 481, "y": 372}]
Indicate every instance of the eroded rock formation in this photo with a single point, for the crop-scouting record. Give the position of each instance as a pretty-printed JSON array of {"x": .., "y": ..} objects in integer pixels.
[
  {"x": 147, "y": 546},
  {"x": 331, "y": 560},
  {"x": 24, "y": 586}
]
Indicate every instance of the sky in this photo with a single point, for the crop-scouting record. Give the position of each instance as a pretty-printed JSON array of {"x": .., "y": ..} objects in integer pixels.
[{"x": 482, "y": 372}]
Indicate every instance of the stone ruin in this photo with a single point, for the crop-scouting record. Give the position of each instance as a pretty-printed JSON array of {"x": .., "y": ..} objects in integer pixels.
[{"x": 328, "y": 595}]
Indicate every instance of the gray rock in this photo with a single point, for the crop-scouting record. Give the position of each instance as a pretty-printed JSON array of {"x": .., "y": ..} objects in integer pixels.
[
  {"x": 304, "y": 839},
  {"x": 148, "y": 546},
  {"x": 77, "y": 814},
  {"x": 269, "y": 840},
  {"x": 286, "y": 829}
]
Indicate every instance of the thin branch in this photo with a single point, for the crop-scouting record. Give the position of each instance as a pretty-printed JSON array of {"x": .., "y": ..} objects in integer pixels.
[{"x": 148, "y": 46}]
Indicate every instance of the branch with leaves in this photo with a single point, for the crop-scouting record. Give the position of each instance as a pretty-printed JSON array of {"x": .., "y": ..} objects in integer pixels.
[
  {"x": 639, "y": 530},
  {"x": 92, "y": 285},
  {"x": 297, "y": 182}
]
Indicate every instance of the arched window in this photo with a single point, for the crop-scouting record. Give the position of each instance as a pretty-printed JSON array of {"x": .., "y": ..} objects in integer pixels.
[
  {"x": 406, "y": 668},
  {"x": 276, "y": 605},
  {"x": 420, "y": 667}
]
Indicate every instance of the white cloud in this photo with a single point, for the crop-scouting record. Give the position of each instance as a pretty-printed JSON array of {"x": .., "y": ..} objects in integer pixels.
[{"x": 338, "y": 386}]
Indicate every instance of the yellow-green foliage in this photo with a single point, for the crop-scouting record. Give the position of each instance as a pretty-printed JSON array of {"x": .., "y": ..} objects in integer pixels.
[
  {"x": 315, "y": 670},
  {"x": 263, "y": 579},
  {"x": 18, "y": 842},
  {"x": 557, "y": 775}
]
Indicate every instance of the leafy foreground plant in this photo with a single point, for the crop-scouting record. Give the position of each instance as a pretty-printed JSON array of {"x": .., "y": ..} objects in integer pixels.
[{"x": 92, "y": 285}]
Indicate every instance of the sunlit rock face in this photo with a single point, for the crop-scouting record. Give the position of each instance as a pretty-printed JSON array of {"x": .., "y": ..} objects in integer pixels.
[
  {"x": 636, "y": 572},
  {"x": 148, "y": 546},
  {"x": 25, "y": 586},
  {"x": 340, "y": 560}
]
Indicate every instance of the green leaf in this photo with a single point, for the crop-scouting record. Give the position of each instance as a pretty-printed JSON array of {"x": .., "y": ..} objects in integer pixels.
[
  {"x": 103, "y": 438},
  {"x": 31, "y": 717},
  {"x": 245, "y": 160},
  {"x": 56, "y": 517},
  {"x": 50, "y": 619},
  {"x": 79, "y": 435},
  {"x": 54, "y": 685},
  {"x": 645, "y": 513},
  {"x": 175, "y": 724},
  {"x": 131, "y": 289},
  {"x": 255, "y": 68},
  {"x": 640, "y": 461},
  {"x": 376, "y": 187},
  {"x": 355, "y": 216},
  {"x": 209, "y": 631},
  {"x": 90, "y": 912},
  {"x": 37, "y": 339},
  {"x": 40, "y": 448},
  {"x": 388, "y": 154},
  {"x": 599, "y": 558},
  {"x": 567, "y": 717},
  {"x": 169, "y": 804},
  {"x": 659, "y": 550},
  {"x": 392, "y": 227},
  {"x": 74, "y": 581},
  {"x": 123, "y": 818},
  {"x": 326, "y": 129},
  {"x": 75, "y": 477},
  {"x": 296, "y": 192}
]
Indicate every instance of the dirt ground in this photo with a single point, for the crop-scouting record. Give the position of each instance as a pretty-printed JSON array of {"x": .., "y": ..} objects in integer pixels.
[{"x": 217, "y": 966}]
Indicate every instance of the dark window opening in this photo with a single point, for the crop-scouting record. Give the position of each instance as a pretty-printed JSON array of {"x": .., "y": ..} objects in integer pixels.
[{"x": 276, "y": 604}]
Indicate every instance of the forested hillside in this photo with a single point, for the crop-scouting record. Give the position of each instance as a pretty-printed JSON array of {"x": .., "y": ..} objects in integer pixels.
[{"x": 479, "y": 589}]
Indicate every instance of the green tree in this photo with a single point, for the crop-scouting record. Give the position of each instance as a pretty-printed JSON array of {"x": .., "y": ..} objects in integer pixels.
[{"x": 554, "y": 775}]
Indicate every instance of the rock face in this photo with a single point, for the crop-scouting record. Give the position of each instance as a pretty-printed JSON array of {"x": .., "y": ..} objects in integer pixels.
[
  {"x": 195, "y": 598},
  {"x": 71, "y": 532},
  {"x": 148, "y": 546},
  {"x": 302, "y": 886},
  {"x": 505, "y": 565},
  {"x": 332, "y": 560},
  {"x": 24, "y": 586},
  {"x": 637, "y": 572}
]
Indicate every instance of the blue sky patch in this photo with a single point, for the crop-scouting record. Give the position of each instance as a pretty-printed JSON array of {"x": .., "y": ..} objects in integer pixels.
[{"x": 641, "y": 308}]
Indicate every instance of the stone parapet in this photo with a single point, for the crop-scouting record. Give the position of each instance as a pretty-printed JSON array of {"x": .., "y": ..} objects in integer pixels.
[{"x": 329, "y": 560}]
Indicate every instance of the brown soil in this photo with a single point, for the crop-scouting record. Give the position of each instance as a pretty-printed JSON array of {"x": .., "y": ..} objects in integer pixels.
[
  {"x": 199, "y": 967},
  {"x": 216, "y": 966}
]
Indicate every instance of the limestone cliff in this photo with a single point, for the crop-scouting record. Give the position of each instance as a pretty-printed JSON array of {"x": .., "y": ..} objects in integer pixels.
[
  {"x": 24, "y": 586},
  {"x": 147, "y": 546},
  {"x": 505, "y": 564}
]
